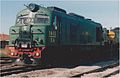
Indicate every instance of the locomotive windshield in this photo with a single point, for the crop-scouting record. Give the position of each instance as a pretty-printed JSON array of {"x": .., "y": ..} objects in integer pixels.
[
  {"x": 24, "y": 19},
  {"x": 39, "y": 18}
]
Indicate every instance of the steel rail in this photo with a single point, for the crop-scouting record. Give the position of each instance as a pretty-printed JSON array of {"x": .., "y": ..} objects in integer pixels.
[{"x": 19, "y": 69}]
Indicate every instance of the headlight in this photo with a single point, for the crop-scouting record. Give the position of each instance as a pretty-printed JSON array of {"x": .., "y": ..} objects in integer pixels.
[
  {"x": 37, "y": 54},
  {"x": 12, "y": 53},
  {"x": 33, "y": 7}
]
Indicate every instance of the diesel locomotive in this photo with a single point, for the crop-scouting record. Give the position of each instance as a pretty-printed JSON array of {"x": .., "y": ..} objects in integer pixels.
[{"x": 51, "y": 35}]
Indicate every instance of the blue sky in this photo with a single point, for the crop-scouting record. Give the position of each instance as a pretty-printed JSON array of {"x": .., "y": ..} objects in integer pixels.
[{"x": 105, "y": 12}]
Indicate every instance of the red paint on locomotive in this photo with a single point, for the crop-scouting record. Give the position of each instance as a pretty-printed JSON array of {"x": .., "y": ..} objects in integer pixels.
[{"x": 32, "y": 52}]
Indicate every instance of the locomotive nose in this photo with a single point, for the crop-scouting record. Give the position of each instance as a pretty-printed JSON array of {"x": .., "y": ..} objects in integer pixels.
[{"x": 24, "y": 39}]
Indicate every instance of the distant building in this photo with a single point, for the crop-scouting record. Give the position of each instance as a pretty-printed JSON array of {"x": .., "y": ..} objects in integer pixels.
[{"x": 4, "y": 40}]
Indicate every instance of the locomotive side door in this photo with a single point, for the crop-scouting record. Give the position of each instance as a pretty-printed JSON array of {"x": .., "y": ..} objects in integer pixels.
[
  {"x": 57, "y": 24},
  {"x": 99, "y": 36}
]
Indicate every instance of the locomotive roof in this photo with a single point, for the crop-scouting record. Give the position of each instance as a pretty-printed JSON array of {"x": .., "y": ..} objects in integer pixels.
[{"x": 58, "y": 10}]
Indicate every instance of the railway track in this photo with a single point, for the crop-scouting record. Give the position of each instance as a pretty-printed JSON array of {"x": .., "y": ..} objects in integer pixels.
[
  {"x": 5, "y": 61},
  {"x": 5, "y": 58},
  {"x": 103, "y": 71},
  {"x": 8, "y": 68},
  {"x": 106, "y": 69},
  {"x": 17, "y": 69}
]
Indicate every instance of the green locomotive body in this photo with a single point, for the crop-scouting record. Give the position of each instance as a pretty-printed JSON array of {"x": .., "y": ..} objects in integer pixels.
[
  {"x": 40, "y": 32},
  {"x": 54, "y": 27}
]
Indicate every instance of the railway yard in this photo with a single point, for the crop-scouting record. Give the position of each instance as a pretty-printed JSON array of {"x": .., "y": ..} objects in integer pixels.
[
  {"x": 102, "y": 69},
  {"x": 51, "y": 42}
]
